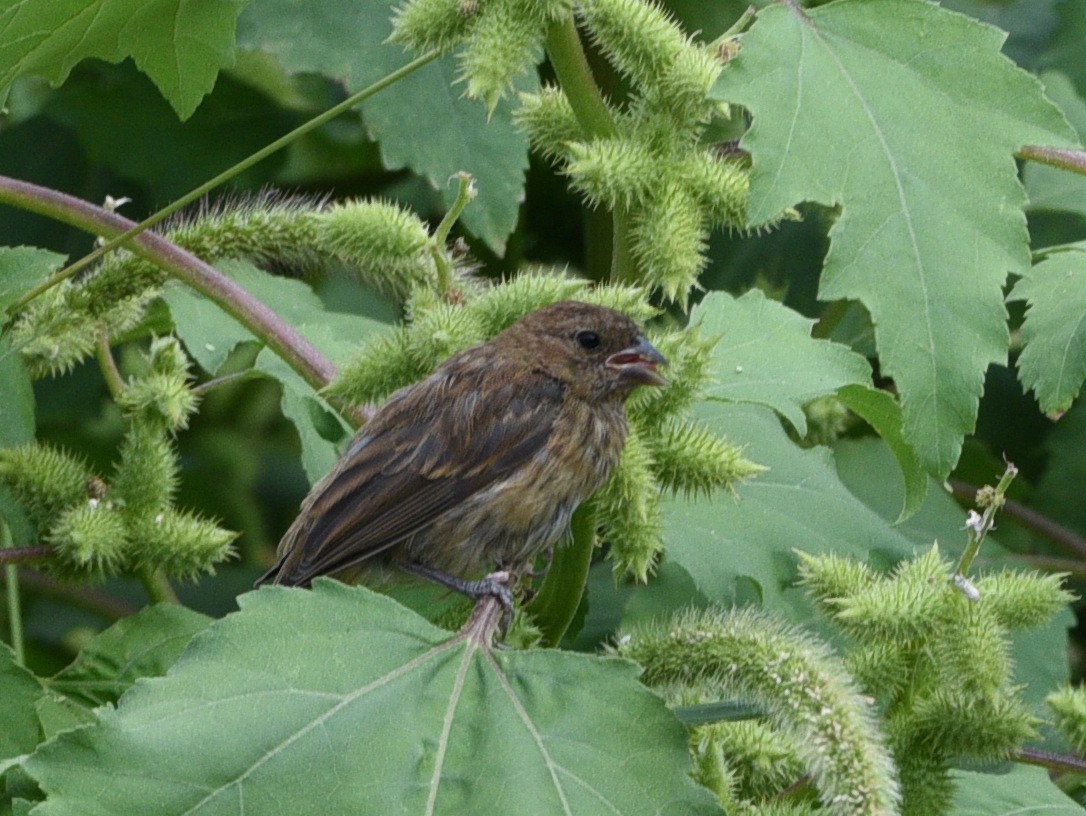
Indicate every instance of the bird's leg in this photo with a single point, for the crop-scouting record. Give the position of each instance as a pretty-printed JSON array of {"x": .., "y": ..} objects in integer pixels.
[{"x": 495, "y": 585}]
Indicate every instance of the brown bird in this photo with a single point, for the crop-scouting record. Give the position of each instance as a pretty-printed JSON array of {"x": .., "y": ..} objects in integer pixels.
[{"x": 481, "y": 464}]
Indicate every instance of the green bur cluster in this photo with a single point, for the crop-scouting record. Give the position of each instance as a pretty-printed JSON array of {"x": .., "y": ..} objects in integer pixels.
[
  {"x": 934, "y": 664},
  {"x": 815, "y": 718},
  {"x": 380, "y": 243},
  {"x": 665, "y": 451},
  {"x": 100, "y": 530},
  {"x": 646, "y": 159},
  {"x": 937, "y": 662}
]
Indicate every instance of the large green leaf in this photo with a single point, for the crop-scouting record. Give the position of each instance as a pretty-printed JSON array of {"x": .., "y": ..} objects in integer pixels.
[
  {"x": 799, "y": 503},
  {"x": 424, "y": 122},
  {"x": 913, "y": 136},
  {"x": 179, "y": 44},
  {"x": 143, "y": 645},
  {"x": 1053, "y": 359},
  {"x": 766, "y": 355},
  {"x": 341, "y": 697}
]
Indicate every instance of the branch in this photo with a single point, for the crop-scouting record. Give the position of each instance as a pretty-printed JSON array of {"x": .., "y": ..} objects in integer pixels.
[{"x": 277, "y": 334}]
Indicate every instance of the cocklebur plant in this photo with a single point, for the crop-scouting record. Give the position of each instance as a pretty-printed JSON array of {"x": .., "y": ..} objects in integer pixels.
[
  {"x": 647, "y": 159},
  {"x": 386, "y": 246},
  {"x": 936, "y": 659},
  {"x": 803, "y": 690},
  {"x": 97, "y": 529}
]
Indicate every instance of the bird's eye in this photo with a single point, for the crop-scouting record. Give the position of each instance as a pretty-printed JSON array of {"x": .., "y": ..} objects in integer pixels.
[{"x": 587, "y": 339}]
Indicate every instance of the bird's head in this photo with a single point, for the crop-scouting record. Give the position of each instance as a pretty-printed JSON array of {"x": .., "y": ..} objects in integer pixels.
[{"x": 593, "y": 350}]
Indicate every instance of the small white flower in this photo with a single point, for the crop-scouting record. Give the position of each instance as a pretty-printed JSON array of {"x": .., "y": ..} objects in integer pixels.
[{"x": 975, "y": 521}]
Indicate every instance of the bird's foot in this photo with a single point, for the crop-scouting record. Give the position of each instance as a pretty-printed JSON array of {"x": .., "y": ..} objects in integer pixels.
[{"x": 493, "y": 587}]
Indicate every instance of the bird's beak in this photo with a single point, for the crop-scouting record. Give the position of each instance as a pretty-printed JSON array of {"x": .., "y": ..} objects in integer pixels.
[{"x": 637, "y": 364}]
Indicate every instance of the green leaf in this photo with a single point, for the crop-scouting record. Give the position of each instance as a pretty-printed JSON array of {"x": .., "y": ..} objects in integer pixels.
[
  {"x": 766, "y": 355},
  {"x": 1051, "y": 188},
  {"x": 342, "y": 697},
  {"x": 143, "y": 645},
  {"x": 210, "y": 335},
  {"x": 180, "y": 45},
  {"x": 57, "y": 713},
  {"x": 1023, "y": 790},
  {"x": 424, "y": 122},
  {"x": 1053, "y": 359},
  {"x": 16, "y": 398},
  {"x": 23, "y": 268},
  {"x": 320, "y": 430},
  {"x": 883, "y": 413},
  {"x": 913, "y": 137},
  {"x": 799, "y": 503},
  {"x": 19, "y": 692}
]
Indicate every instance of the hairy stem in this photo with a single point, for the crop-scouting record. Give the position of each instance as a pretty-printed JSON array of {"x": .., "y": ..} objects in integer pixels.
[
  {"x": 277, "y": 334},
  {"x": 1030, "y": 519},
  {"x": 135, "y": 229}
]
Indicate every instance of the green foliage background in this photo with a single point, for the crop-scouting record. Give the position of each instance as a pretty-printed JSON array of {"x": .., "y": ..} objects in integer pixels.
[{"x": 906, "y": 310}]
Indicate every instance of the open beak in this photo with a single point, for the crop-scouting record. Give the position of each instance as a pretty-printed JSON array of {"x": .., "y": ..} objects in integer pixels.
[{"x": 637, "y": 364}]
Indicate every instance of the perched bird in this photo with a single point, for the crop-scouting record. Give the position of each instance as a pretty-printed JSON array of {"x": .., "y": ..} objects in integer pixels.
[{"x": 480, "y": 465}]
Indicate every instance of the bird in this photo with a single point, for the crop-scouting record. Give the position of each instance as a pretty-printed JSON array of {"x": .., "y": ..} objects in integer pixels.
[{"x": 480, "y": 465}]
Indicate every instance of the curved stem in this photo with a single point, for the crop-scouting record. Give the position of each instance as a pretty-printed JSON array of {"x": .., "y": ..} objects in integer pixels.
[
  {"x": 226, "y": 175},
  {"x": 277, "y": 334},
  {"x": 570, "y": 64},
  {"x": 556, "y": 604}
]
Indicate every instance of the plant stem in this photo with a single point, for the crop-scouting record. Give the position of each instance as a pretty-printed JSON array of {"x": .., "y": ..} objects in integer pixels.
[
  {"x": 277, "y": 334},
  {"x": 156, "y": 585},
  {"x": 464, "y": 195},
  {"x": 556, "y": 604},
  {"x": 979, "y": 525},
  {"x": 1030, "y": 519},
  {"x": 1073, "y": 160},
  {"x": 15, "y": 609},
  {"x": 571, "y": 66},
  {"x": 26, "y": 555},
  {"x": 1046, "y": 759},
  {"x": 112, "y": 374},
  {"x": 226, "y": 175}
]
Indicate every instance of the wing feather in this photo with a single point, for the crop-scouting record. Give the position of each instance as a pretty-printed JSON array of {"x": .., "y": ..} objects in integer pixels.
[{"x": 427, "y": 450}]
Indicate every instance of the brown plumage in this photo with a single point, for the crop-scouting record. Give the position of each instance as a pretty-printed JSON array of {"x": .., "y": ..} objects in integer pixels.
[{"x": 481, "y": 464}]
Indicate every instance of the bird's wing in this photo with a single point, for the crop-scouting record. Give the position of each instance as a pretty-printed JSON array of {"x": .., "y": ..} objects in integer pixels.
[{"x": 439, "y": 444}]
